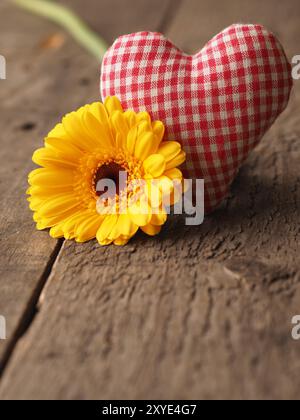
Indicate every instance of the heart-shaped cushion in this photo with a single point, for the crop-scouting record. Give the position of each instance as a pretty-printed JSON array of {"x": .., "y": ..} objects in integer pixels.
[{"x": 217, "y": 103}]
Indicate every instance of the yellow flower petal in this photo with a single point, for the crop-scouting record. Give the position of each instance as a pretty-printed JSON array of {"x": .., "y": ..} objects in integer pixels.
[
  {"x": 87, "y": 229},
  {"x": 158, "y": 129},
  {"x": 140, "y": 213},
  {"x": 131, "y": 139},
  {"x": 176, "y": 195},
  {"x": 165, "y": 185},
  {"x": 159, "y": 219},
  {"x": 58, "y": 131},
  {"x": 121, "y": 128},
  {"x": 74, "y": 124},
  {"x": 143, "y": 128},
  {"x": 56, "y": 232},
  {"x": 105, "y": 242},
  {"x": 176, "y": 161},
  {"x": 106, "y": 227},
  {"x": 99, "y": 112},
  {"x": 63, "y": 148},
  {"x": 47, "y": 157},
  {"x": 173, "y": 173},
  {"x": 58, "y": 205},
  {"x": 41, "y": 225},
  {"x": 98, "y": 131},
  {"x": 155, "y": 165},
  {"x": 112, "y": 104},
  {"x": 151, "y": 230},
  {"x": 36, "y": 203},
  {"x": 48, "y": 222},
  {"x": 144, "y": 116},
  {"x": 169, "y": 149},
  {"x": 121, "y": 241},
  {"x": 125, "y": 226},
  {"x": 51, "y": 178},
  {"x": 130, "y": 118},
  {"x": 70, "y": 224},
  {"x": 144, "y": 145},
  {"x": 44, "y": 192},
  {"x": 153, "y": 193}
]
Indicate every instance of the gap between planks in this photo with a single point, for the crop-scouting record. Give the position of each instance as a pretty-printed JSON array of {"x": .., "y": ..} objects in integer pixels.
[{"x": 32, "y": 307}]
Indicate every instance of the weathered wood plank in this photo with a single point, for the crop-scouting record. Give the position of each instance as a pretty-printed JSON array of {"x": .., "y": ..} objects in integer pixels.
[
  {"x": 116, "y": 17},
  {"x": 42, "y": 84},
  {"x": 195, "y": 313},
  {"x": 198, "y": 21}
]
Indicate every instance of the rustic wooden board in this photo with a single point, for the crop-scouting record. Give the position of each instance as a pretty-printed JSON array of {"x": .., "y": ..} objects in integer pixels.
[
  {"x": 197, "y": 312},
  {"x": 113, "y": 18},
  {"x": 33, "y": 99},
  {"x": 25, "y": 254},
  {"x": 198, "y": 21}
]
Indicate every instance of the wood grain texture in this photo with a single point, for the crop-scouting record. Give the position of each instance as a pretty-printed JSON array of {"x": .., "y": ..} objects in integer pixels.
[
  {"x": 199, "y": 312},
  {"x": 198, "y": 21},
  {"x": 113, "y": 18},
  {"x": 33, "y": 99}
]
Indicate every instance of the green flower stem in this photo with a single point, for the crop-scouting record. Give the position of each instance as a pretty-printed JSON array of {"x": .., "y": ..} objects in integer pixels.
[{"x": 67, "y": 19}]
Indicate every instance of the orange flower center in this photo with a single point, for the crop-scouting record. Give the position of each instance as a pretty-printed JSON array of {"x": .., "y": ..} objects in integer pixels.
[{"x": 109, "y": 171}]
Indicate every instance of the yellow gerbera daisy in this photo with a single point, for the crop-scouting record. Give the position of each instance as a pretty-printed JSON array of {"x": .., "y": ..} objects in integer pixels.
[{"x": 95, "y": 143}]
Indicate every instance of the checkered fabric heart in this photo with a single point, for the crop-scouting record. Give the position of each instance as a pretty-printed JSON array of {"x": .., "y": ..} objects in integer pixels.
[{"x": 217, "y": 103}]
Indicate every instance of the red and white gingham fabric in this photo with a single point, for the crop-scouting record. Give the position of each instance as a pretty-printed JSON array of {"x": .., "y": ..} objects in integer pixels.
[{"x": 217, "y": 103}]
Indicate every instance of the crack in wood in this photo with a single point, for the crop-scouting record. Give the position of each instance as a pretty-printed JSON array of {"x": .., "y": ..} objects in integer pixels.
[{"x": 32, "y": 308}]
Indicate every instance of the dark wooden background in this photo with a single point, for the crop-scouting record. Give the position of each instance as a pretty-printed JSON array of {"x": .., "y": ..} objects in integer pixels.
[{"x": 198, "y": 312}]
